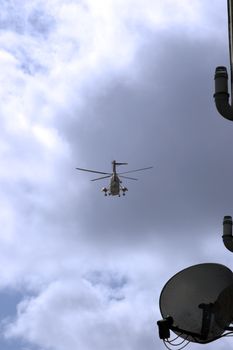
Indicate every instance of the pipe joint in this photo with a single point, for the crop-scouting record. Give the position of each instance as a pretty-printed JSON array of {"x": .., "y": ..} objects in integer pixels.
[{"x": 227, "y": 233}]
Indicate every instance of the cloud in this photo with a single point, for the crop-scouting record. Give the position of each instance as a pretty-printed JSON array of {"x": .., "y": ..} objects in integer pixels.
[
  {"x": 83, "y": 83},
  {"x": 67, "y": 312}
]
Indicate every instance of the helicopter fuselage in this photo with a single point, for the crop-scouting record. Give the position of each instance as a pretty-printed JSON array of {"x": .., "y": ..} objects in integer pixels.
[{"x": 114, "y": 188}]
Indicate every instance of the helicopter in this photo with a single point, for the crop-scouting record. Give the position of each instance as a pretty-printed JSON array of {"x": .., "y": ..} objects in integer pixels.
[{"x": 115, "y": 187}]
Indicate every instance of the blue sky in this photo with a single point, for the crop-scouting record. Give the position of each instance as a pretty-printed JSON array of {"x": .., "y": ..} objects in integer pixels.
[{"x": 83, "y": 83}]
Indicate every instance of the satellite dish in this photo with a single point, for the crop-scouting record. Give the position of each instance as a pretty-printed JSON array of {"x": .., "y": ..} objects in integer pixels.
[{"x": 194, "y": 300}]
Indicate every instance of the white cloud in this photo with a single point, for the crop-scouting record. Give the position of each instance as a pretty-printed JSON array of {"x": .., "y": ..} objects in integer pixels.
[
  {"x": 55, "y": 57},
  {"x": 79, "y": 314}
]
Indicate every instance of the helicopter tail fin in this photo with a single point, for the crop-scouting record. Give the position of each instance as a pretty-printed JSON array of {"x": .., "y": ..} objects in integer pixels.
[{"x": 119, "y": 163}]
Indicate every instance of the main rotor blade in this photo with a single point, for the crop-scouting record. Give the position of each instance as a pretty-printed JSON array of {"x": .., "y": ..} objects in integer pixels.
[
  {"x": 102, "y": 177},
  {"x": 127, "y": 177},
  {"x": 132, "y": 171},
  {"x": 93, "y": 171}
]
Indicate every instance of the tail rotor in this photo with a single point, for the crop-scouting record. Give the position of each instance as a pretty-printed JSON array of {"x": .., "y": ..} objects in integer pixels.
[{"x": 118, "y": 163}]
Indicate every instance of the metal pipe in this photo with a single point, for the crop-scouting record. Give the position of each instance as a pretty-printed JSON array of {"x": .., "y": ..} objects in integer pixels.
[
  {"x": 230, "y": 16},
  {"x": 221, "y": 77},
  {"x": 227, "y": 233},
  {"x": 221, "y": 95}
]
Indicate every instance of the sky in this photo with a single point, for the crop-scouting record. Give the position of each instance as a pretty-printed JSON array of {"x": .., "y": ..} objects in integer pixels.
[{"x": 83, "y": 83}]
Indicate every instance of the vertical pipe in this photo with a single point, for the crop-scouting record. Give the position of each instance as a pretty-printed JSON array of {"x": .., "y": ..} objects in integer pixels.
[
  {"x": 230, "y": 30},
  {"x": 224, "y": 107}
]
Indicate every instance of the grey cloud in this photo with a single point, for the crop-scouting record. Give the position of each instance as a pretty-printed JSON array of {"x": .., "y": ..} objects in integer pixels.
[
  {"x": 169, "y": 122},
  {"x": 160, "y": 112},
  {"x": 111, "y": 279}
]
